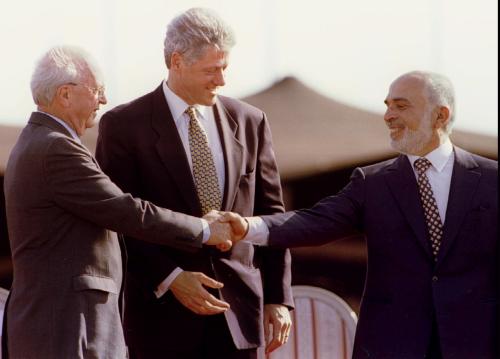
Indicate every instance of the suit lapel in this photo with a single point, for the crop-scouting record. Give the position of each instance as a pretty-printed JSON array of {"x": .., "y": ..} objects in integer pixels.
[
  {"x": 463, "y": 186},
  {"x": 233, "y": 153},
  {"x": 171, "y": 151},
  {"x": 403, "y": 185},
  {"x": 42, "y": 119}
]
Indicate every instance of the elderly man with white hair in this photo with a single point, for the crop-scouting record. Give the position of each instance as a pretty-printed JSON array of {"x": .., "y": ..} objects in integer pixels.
[{"x": 61, "y": 211}]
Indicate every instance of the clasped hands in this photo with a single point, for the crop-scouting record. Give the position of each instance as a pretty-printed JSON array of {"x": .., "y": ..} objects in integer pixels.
[{"x": 226, "y": 229}]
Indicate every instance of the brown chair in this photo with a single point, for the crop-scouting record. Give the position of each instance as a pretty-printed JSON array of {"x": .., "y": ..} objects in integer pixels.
[{"x": 323, "y": 326}]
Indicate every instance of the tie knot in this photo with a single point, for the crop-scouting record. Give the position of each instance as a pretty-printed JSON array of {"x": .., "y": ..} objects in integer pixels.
[
  {"x": 422, "y": 165},
  {"x": 191, "y": 111}
]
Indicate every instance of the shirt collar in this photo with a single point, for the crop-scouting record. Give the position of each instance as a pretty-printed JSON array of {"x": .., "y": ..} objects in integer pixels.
[
  {"x": 178, "y": 106},
  {"x": 66, "y": 126},
  {"x": 438, "y": 157}
]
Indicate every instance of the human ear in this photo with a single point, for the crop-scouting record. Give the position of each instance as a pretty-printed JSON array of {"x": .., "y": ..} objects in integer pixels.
[
  {"x": 63, "y": 95},
  {"x": 443, "y": 117},
  {"x": 175, "y": 61}
]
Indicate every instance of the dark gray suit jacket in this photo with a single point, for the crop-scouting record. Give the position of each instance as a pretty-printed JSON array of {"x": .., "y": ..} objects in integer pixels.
[
  {"x": 61, "y": 211},
  {"x": 140, "y": 149},
  {"x": 404, "y": 287}
]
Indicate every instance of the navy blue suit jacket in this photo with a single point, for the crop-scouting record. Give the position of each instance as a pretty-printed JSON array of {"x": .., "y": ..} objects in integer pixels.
[{"x": 404, "y": 286}]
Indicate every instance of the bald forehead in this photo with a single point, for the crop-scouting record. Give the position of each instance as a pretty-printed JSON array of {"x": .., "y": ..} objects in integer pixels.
[
  {"x": 415, "y": 82},
  {"x": 406, "y": 88}
]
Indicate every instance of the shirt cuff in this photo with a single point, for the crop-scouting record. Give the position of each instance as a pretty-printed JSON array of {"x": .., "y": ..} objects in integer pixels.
[
  {"x": 206, "y": 230},
  {"x": 165, "y": 284},
  {"x": 258, "y": 233}
]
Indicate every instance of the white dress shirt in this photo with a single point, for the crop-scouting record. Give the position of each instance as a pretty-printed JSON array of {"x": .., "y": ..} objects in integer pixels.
[
  {"x": 439, "y": 174},
  {"x": 205, "y": 115}
]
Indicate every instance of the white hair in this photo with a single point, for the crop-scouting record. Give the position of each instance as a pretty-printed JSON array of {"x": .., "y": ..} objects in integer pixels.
[
  {"x": 58, "y": 66},
  {"x": 193, "y": 31},
  {"x": 440, "y": 92}
]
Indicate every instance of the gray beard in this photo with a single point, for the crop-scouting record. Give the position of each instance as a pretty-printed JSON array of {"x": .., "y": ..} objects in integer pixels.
[{"x": 413, "y": 142}]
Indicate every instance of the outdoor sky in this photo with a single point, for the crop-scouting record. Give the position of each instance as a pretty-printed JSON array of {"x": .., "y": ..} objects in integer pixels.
[{"x": 347, "y": 50}]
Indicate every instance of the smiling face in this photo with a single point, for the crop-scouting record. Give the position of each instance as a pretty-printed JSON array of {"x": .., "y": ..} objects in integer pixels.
[
  {"x": 411, "y": 117},
  {"x": 198, "y": 82}
]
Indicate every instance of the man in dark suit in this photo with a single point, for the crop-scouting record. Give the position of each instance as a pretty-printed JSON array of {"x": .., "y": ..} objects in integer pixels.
[
  {"x": 61, "y": 209},
  {"x": 150, "y": 147},
  {"x": 430, "y": 221}
]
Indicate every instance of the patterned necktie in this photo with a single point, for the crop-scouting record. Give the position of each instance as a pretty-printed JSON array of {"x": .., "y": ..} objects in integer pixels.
[
  {"x": 204, "y": 172},
  {"x": 434, "y": 224}
]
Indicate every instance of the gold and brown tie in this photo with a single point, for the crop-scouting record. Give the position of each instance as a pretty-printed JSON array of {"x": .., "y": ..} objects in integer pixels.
[
  {"x": 434, "y": 224},
  {"x": 204, "y": 172}
]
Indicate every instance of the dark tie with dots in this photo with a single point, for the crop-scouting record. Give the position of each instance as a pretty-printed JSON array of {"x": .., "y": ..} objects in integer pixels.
[
  {"x": 204, "y": 172},
  {"x": 434, "y": 224}
]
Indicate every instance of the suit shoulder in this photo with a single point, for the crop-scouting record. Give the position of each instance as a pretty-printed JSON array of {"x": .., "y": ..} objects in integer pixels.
[
  {"x": 240, "y": 108},
  {"x": 130, "y": 110},
  {"x": 379, "y": 167},
  {"x": 486, "y": 163},
  {"x": 57, "y": 142},
  {"x": 489, "y": 169},
  {"x": 40, "y": 141}
]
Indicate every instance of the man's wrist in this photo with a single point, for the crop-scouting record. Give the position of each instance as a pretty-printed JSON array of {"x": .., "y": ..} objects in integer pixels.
[
  {"x": 164, "y": 286},
  {"x": 206, "y": 230},
  {"x": 248, "y": 227},
  {"x": 257, "y": 231}
]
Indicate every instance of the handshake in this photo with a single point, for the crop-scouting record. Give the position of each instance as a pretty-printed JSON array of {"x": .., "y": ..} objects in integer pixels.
[{"x": 226, "y": 229}]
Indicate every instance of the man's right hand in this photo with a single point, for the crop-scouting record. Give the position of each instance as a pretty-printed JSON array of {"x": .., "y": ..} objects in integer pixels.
[
  {"x": 226, "y": 229},
  {"x": 187, "y": 287},
  {"x": 239, "y": 225},
  {"x": 220, "y": 233}
]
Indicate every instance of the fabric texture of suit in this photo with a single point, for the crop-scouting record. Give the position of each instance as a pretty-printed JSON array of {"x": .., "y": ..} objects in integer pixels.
[
  {"x": 140, "y": 149},
  {"x": 404, "y": 288},
  {"x": 61, "y": 211}
]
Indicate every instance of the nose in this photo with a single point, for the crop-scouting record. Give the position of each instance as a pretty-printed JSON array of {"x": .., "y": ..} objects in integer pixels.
[
  {"x": 102, "y": 99},
  {"x": 219, "y": 79},
  {"x": 389, "y": 115}
]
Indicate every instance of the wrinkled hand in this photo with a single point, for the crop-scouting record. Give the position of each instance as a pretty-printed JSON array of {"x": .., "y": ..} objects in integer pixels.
[
  {"x": 276, "y": 318},
  {"x": 187, "y": 287},
  {"x": 220, "y": 233}
]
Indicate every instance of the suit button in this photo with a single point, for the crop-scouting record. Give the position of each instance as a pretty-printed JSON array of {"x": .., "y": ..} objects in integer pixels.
[{"x": 435, "y": 279}]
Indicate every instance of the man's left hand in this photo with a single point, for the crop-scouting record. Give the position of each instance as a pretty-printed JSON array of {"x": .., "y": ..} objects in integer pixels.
[{"x": 276, "y": 319}]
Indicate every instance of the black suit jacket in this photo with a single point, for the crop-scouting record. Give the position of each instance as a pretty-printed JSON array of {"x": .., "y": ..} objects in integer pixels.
[
  {"x": 140, "y": 149},
  {"x": 404, "y": 287}
]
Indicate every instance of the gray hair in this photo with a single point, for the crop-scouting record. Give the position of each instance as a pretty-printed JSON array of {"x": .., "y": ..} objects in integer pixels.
[
  {"x": 193, "y": 31},
  {"x": 58, "y": 66},
  {"x": 440, "y": 92}
]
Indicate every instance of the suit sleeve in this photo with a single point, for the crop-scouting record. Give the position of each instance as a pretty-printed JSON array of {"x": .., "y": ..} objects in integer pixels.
[
  {"x": 117, "y": 159},
  {"x": 334, "y": 217},
  {"x": 80, "y": 187},
  {"x": 276, "y": 262}
]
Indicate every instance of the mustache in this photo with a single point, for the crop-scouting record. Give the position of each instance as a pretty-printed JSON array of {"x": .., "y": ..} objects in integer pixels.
[{"x": 395, "y": 123}]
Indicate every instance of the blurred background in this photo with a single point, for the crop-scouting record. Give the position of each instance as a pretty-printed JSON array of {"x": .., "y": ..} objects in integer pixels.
[{"x": 319, "y": 69}]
